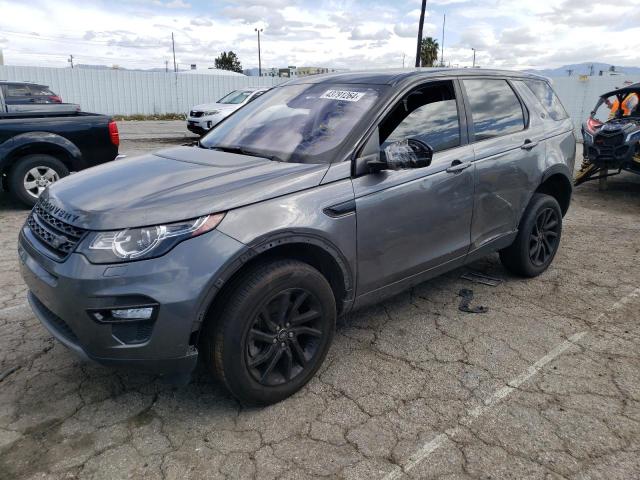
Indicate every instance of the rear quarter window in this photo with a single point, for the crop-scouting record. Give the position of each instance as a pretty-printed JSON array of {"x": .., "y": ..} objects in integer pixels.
[
  {"x": 548, "y": 98},
  {"x": 495, "y": 108}
]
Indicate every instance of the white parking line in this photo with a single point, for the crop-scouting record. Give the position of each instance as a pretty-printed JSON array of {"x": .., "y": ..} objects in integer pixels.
[
  {"x": 431, "y": 446},
  {"x": 13, "y": 307}
]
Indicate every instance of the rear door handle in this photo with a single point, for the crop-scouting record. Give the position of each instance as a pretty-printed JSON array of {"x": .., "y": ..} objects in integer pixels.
[
  {"x": 528, "y": 145},
  {"x": 458, "y": 166}
]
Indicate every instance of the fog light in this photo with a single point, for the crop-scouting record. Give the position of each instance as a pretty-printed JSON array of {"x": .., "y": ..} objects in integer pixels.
[{"x": 144, "y": 313}]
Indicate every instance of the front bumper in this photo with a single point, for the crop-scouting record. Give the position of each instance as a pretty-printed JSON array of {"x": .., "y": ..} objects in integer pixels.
[
  {"x": 64, "y": 294},
  {"x": 624, "y": 156},
  {"x": 202, "y": 125}
]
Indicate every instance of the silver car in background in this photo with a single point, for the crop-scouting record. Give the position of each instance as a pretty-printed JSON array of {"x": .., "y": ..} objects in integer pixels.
[{"x": 203, "y": 118}]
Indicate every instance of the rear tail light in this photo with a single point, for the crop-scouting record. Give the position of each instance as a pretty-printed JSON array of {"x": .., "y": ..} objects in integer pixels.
[
  {"x": 593, "y": 125},
  {"x": 113, "y": 133},
  {"x": 55, "y": 99}
]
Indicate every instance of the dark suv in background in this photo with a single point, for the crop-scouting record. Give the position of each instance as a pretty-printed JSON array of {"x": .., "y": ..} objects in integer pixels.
[
  {"x": 17, "y": 93},
  {"x": 325, "y": 194},
  {"x": 28, "y": 96}
]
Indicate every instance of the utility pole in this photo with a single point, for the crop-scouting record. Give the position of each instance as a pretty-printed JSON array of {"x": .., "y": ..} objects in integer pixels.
[
  {"x": 259, "y": 58},
  {"x": 474, "y": 57},
  {"x": 444, "y": 19},
  {"x": 166, "y": 66},
  {"x": 403, "y": 55},
  {"x": 70, "y": 60},
  {"x": 173, "y": 46},
  {"x": 420, "y": 26}
]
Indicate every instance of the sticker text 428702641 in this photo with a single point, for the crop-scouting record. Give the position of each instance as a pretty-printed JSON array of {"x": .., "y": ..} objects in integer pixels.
[{"x": 344, "y": 95}]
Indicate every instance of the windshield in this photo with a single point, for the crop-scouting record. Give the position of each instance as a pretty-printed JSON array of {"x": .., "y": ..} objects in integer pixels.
[
  {"x": 304, "y": 123},
  {"x": 235, "y": 97}
]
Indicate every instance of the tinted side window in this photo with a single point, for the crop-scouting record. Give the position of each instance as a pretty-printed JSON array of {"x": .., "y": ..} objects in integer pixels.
[
  {"x": 548, "y": 99},
  {"x": 255, "y": 95},
  {"x": 429, "y": 114},
  {"x": 14, "y": 90},
  {"x": 40, "y": 90},
  {"x": 495, "y": 109}
]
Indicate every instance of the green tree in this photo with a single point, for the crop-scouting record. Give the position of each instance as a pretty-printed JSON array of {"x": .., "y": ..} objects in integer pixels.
[
  {"x": 429, "y": 52},
  {"x": 228, "y": 61}
]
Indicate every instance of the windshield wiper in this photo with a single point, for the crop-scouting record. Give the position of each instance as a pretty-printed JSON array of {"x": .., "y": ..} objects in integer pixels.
[{"x": 244, "y": 151}]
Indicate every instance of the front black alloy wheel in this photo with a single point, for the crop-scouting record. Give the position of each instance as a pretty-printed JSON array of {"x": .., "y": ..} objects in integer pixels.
[
  {"x": 273, "y": 331},
  {"x": 284, "y": 337}
]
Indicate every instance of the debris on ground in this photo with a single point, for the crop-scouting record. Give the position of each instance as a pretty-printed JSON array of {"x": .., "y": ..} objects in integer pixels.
[
  {"x": 8, "y": 372},
  {"x": 467, "y": 296},
  {"x": 483, "y": 278}
]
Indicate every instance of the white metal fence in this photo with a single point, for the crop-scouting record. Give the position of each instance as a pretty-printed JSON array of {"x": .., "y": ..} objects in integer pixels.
[
  {"x": 122, "y": 92},
  {"x": 126, "y": 93}
]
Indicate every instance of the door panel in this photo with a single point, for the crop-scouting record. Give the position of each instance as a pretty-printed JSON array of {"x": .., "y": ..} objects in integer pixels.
[
  {"x": 509, "y": 146},
  {"x": 413, "y": 220},
  {"x": 506, "y": 174}
]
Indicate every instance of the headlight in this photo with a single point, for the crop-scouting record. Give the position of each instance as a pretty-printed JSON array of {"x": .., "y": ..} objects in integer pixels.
[
  {"x": 632, "y": 137},
  {"x": 212, "y": 112},
  {"x": 587, "y": 136},
  {"x": 144, "y": 242}
]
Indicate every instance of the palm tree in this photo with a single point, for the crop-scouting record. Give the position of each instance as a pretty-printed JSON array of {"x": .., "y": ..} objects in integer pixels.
[{"x": 429, "y": 52}]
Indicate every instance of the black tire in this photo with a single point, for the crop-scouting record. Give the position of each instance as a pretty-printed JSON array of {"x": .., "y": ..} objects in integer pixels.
[
  {"x": 24, "y": 165},
  {"x": 273, "y": 332},
  {"x": 538, "y": 238}
]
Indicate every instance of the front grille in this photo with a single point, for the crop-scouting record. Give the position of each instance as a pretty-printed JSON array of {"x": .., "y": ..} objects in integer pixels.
[
  {"x": 606, "y": 140},
  {"x": 59, "y": 325},
  {"x": 195, "y": 113},
  {"x": 132, "y": 333},
  {"x": 59, "y": 238}
]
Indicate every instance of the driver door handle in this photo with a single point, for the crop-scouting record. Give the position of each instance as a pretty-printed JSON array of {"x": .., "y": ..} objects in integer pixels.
[
  {"x": 458, "y": 166},
  {"x": 528, "y": 145}
]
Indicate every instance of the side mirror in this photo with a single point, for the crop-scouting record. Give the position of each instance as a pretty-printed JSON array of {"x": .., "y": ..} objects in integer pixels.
[{"x": 401, "y": 155}]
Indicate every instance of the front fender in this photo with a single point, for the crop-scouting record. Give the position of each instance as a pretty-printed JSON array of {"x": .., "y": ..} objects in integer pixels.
[
  {"x": 40, "y": 142},
  {"x": 262, "y": 246}
]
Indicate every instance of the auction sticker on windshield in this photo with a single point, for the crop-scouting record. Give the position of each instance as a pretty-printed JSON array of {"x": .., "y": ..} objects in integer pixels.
[{"x": 345, "y": 95}]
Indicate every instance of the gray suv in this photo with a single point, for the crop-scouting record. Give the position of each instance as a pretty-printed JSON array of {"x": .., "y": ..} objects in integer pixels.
[{"x": 325, "y": 194}]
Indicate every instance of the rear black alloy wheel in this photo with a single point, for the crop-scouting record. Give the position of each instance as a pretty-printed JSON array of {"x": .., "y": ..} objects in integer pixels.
[
  {"x": 544, "y": 237},
  {"x": 284, "y": 337},
  {"x": 538, "y": 238},
  {"x": 273, "y": 331}
]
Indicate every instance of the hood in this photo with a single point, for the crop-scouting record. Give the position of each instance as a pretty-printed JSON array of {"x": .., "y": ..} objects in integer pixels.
[
  {"x": 172, "y": 185},
  {"x": 217, "y": 106}
]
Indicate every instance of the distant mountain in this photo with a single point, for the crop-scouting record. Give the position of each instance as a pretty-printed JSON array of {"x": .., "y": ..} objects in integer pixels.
[{"x": 586, "y": 69}]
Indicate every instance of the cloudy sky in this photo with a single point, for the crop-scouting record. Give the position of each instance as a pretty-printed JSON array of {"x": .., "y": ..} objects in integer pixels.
[{"x": 336, "y": 33}]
